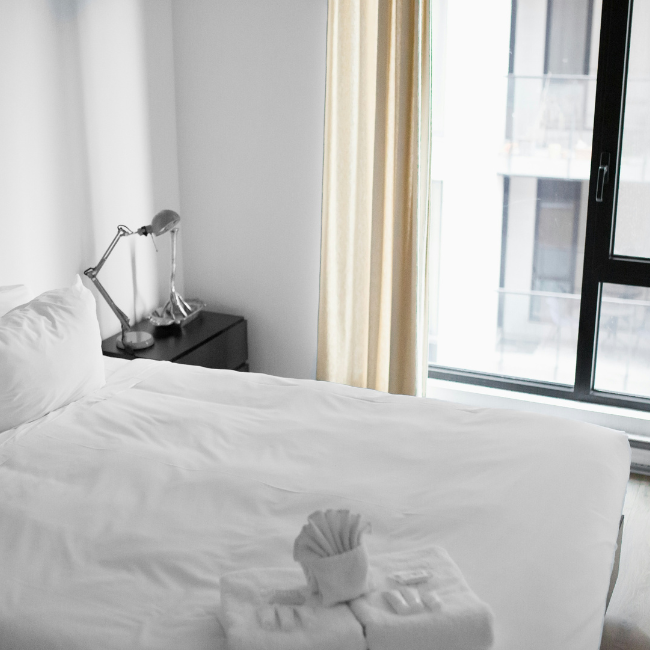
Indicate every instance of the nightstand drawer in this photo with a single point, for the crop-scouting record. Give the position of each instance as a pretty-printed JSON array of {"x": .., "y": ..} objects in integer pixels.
[
  {"x": 228, "y": 350},
  {"x": 211, "y": 340}
]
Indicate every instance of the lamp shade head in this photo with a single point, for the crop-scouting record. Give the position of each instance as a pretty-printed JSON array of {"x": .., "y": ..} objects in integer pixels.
[{"x": 165, "y": 220}]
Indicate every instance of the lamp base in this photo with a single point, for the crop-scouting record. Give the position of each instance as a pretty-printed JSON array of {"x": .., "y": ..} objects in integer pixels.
[
  {"x": 135, "y": 341},
  {"x": 171, "y": 314}
]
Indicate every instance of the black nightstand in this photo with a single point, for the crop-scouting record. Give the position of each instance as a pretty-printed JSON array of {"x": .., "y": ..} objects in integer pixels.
[{"x": 211, "y": 340}]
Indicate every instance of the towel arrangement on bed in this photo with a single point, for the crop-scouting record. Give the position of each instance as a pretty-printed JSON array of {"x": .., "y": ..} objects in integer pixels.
[
  {"x": 409, "y": 600},
  {"x": 272, "y": 609}
]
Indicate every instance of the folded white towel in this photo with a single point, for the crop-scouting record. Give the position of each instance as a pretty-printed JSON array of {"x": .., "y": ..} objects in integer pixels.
[
  {"x": 421, "y": 601},
  {"x": 273, "y": 609},
  {"x": 330, "y": 551}
]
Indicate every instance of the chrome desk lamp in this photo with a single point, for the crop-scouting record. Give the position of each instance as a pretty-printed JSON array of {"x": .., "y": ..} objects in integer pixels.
[
  {"x": 162, "y": 222},
  {"x": 176, "y": 311}
]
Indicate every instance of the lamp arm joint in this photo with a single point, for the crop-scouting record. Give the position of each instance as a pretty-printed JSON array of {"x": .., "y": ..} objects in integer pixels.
[{"x": 93, "y": 272}]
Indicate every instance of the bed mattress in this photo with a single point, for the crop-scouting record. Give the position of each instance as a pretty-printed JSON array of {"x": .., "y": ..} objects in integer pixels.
[{"x": 120, "y": 512}]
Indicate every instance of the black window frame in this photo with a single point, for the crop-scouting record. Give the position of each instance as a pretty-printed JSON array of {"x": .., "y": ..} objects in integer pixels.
[{"x": 600, "y": 264}]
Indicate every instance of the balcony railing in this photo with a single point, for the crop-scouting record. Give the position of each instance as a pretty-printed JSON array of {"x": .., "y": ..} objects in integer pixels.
[
  {"x": 549, "y": 125},
  {"x": 543, "y": 347}
]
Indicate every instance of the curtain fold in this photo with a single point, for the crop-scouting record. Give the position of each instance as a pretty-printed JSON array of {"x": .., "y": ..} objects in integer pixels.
[{"x": 373, "y": 293}]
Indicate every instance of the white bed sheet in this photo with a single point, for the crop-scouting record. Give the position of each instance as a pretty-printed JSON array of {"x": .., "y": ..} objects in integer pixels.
[
  {"x": 113, "y": 364},
  {"x": 119, "y": 513}
]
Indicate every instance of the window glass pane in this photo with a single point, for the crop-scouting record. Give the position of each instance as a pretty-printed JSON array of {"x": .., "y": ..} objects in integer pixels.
[
  {"x": 511, "y": 159},
  {"x": 632, "y": 236},
  {"x": 566, "y": 50},
  {"x": 623, "y": 356}
]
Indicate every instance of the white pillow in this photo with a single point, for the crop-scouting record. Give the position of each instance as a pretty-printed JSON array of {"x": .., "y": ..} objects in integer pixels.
[
  {"x": 12, "y": 296},
  {"x": 50, "y": 354}
]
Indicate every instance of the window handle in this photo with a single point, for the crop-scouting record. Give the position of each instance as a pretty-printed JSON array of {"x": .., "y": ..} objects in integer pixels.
[{"x": 603, "y": 176}]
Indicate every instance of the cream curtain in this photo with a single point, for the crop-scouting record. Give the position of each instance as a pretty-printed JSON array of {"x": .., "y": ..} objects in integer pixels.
[{"x": 372, "y": 329}]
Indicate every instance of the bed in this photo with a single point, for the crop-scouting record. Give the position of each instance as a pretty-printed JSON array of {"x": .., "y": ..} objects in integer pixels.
[{"x": 121, "y": 510}]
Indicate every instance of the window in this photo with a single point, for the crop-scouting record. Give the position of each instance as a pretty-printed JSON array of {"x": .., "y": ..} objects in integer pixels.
[
  {"x": 555, "y": 253},
  {"x": 540, "y": 232},
  {"x": 569, "y": 25}
]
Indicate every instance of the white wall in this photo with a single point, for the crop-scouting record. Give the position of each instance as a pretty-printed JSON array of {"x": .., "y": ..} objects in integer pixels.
[
  {"x": 87, "y": 126},
  {"x": 93, "y": 95},
  {"x": 250, "y": 86},
  {"x": 161, "y": 118},
  {"x": 42, "y": 154},
  {"x": 118, "y": 152}
]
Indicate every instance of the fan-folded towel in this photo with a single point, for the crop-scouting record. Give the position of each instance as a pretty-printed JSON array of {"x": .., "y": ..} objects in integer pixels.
[
  {"x": 330, "y": 551},
  {"x": 273, "y": 609},
  {"x": 421, "y": 601}
]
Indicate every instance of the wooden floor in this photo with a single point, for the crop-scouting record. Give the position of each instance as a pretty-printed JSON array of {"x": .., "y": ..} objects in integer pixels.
[{"x": 627, "y": 624}]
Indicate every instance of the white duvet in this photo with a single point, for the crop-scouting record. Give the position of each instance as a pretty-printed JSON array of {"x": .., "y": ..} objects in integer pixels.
[{"x": 118, "y": 513}]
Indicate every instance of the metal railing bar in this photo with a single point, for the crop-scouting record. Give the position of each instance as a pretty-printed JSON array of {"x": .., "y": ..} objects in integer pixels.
[
  {"x": 568, "y": 77},
  {"x": 574, "y": 296}
]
